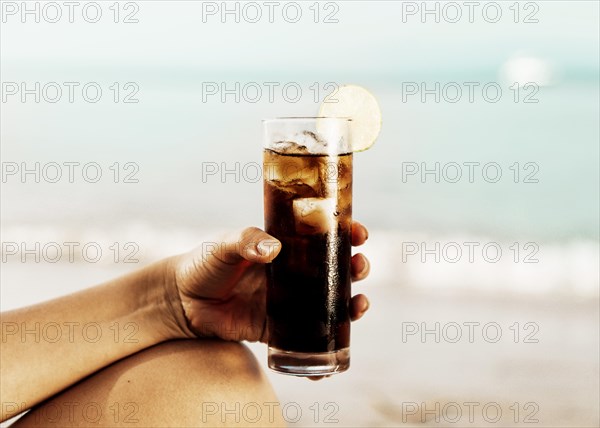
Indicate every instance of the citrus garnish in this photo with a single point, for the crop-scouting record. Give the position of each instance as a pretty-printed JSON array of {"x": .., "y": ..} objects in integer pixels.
[{"x": 358, "y": 104}]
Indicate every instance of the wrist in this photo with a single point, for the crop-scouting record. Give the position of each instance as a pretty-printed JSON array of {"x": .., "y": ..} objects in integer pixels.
[{"x": 175, "y": 321}]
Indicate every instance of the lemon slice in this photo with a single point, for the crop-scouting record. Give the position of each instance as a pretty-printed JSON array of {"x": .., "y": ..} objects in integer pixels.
[{"x": 358, "y": 104}]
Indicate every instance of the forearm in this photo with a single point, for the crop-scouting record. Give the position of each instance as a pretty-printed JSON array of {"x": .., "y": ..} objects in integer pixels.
[{"x": 50, "y": 346}]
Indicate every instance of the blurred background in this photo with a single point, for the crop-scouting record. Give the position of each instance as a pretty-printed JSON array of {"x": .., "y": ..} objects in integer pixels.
[{"x": 140, "y": 126}]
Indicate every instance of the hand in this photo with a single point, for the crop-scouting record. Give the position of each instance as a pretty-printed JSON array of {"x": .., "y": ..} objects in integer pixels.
[{"x": 222, "y": 284}]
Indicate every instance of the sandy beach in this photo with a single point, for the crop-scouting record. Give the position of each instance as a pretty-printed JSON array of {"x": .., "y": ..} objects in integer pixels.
[
  {"x": 396, "y": 382},
  {"x": 540, "y": 374}
]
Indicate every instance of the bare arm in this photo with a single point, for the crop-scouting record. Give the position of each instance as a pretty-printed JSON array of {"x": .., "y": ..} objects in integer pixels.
[
  {"x": 221, "y": 293},
  {"x": 50, "y": 346}
]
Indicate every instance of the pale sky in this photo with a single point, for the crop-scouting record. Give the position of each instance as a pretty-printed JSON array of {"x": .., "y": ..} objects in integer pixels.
[{"x": 370, "y": 37}]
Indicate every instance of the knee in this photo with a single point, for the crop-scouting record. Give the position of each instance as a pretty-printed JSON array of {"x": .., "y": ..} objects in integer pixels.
[
  {"x": 217, "y": 357},
  {"x": 204, "y": 382},
  {"x": 178, "y": 383},
  {"x": 230, "y": 361},
  {"x": 214, "y": 366}
]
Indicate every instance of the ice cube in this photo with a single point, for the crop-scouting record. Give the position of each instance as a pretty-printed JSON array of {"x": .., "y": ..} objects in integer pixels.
[
  {"x": 313, "y": 143},
  {"x": 302, "y": 143},
  {"x": 294, "y": 189},
  {"x": 290, "y": 148},
  {"x": 293, "y": 172},
  {"x": 314, "y": 215}
]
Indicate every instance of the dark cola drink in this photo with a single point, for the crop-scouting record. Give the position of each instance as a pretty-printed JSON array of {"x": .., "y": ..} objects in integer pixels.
[{"x": 308, "y": 207}]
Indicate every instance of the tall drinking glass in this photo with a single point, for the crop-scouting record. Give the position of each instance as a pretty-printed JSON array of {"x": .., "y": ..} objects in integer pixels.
[{"x": 308, "y": 207}]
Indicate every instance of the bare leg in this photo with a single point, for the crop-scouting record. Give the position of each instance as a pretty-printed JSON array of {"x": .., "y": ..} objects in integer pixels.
[{"x": 180, "y": 383}]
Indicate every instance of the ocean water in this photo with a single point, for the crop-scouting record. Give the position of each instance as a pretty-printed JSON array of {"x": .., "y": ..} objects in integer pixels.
[
  {"x": 430, "y": 157},
  {"x": 197, "y": 170}
]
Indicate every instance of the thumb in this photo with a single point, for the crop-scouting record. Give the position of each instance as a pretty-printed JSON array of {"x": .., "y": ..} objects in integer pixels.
[
  {"x": 252, "y": 244},
  {"x": 269, "y": 249}
]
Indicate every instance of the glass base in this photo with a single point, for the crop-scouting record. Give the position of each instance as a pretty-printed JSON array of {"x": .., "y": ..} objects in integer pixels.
[{"x": 309, "y": 363}]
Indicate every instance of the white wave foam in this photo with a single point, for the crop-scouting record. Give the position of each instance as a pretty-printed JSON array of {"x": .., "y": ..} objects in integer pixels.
[{"x": 398, "y": 259}]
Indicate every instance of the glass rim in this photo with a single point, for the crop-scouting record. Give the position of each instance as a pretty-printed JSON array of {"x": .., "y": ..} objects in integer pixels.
[{"x": 291, "y": 118}]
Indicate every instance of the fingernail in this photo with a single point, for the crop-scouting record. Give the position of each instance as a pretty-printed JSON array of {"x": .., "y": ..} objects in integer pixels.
[
  {"x": 368, "y": 306},
  {"x": 366, "y": 265},
  {"x": 268, "y": 246}
]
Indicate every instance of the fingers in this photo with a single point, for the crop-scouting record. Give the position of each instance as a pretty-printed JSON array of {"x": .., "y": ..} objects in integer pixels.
[
  {"x": 257, "y": 246},
  {"x": 359, "y": 234},
  {"x": 359, "y": 267},
  {"x": 358, "y": 306},
  {"x": 252, "y": 244}
]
